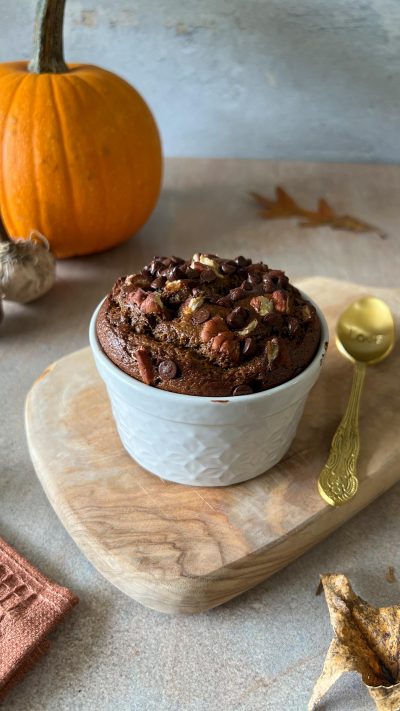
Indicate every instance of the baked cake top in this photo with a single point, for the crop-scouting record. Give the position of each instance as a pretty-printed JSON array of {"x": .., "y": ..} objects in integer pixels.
[{"x": 208, "y": 326}]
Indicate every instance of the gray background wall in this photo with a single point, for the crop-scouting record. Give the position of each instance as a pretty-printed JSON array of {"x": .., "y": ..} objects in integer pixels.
[{"x": 307, "y": 79}]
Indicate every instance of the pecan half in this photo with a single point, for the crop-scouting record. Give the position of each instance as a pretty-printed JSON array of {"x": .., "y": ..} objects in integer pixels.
[
  {"x": 232, "y": 350},
  {"x": 211, "y": 328},
  {"x": 136, "y": 297},
  {"x": 145, "y": 365},
  {"x": 282, "y": 301},
  {"x": 152, "y": 304},
  {"x": 225, "y": 343},
  {"x": 221, "y": 338}
]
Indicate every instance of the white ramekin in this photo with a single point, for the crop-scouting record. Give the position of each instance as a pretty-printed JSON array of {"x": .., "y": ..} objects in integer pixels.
[{"x": 206, "y": 441}]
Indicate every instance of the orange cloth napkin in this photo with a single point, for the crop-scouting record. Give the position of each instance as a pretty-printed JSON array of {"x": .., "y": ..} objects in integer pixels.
[{"x": 31, "y": 606}]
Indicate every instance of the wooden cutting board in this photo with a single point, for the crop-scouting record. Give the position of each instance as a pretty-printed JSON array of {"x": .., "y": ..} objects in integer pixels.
[{"x": 186, "y": 549}]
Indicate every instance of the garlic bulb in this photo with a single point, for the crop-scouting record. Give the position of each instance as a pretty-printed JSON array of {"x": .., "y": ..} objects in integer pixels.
[{"x": 27, "y": 267}]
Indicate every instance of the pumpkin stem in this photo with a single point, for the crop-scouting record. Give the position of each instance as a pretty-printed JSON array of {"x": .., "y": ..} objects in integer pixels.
[{"x": 48, "y": 55}]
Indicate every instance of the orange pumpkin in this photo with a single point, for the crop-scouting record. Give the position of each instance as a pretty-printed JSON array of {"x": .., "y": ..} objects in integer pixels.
[{"x": 81, "y": 154}]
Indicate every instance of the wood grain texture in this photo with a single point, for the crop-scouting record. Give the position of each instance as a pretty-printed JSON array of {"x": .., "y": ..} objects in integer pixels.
[{"x": 184, "y": 549}]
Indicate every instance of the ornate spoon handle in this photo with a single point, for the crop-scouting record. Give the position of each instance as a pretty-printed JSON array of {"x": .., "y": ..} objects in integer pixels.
[{"x": 338, "y": 481}]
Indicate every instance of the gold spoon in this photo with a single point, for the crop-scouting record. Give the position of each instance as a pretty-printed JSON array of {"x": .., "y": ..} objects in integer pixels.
[{"x": 364, "y": 334}]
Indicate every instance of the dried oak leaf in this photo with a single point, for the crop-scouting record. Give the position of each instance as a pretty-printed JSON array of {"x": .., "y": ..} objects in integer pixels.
[
  {"x": 367, "y": 641},
  {"x": 284, "y": 207}
]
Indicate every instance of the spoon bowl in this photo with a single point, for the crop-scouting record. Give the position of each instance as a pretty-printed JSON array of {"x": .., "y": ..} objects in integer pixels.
[{"x": 365, "y": 331}]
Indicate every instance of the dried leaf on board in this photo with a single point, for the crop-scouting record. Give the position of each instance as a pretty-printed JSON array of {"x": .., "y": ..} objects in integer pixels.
[
  {"x": 284, "y": 207},
  {"x": 367, "y": 641}
]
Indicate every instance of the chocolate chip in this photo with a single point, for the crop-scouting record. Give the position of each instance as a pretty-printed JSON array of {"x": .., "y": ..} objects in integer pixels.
[
  {"x": 257, "y": 267},
  {"x": 249, "y": 347},
  {"x": 175, "y": 273},
  {"x": 189, "y": 272},
  {"x": 238, "y": 317},
  {"x": 177, "y": 260},
  {"x": 268, "y": 284},
  {"x": 282, "y": 282},
  {"x": 237, "y": 294},
  {"x": 273, "y": 322},
  {"x": 242, "y": 273},
  {"x": 246, "y": 285},
  {"x": 158, "y": 282},
  {"x": 166, "y": 261},
  {"x": 212, "y": 298},
  {"x": 224, "y": 301},
  {"x": 228, "y": 267},
  {"x": 254, "y": 278},
  {"x": 167, "y": 370},
  {"x": 154, "y": 266},
  {"x": 279, "y": 278},
  {"x": 242, "y": 261},
  {"x": 207, "y": 276},
  {"x": 201, "y": 315},
  {"x": 242, "y": 390},
  {"x": 276, "y": 273}
]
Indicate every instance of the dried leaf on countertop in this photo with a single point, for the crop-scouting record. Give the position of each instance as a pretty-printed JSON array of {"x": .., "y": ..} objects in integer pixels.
[
  {"x": 284, "y": 207},
  {"x": 367, "y": 641}
]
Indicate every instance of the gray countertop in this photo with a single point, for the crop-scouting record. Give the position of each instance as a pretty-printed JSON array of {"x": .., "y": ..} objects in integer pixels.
[{"x": 265, "y": 649}]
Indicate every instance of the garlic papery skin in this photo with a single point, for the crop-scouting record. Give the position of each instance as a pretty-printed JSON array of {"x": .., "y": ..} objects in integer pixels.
[{"x": 27, "y": 268}]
